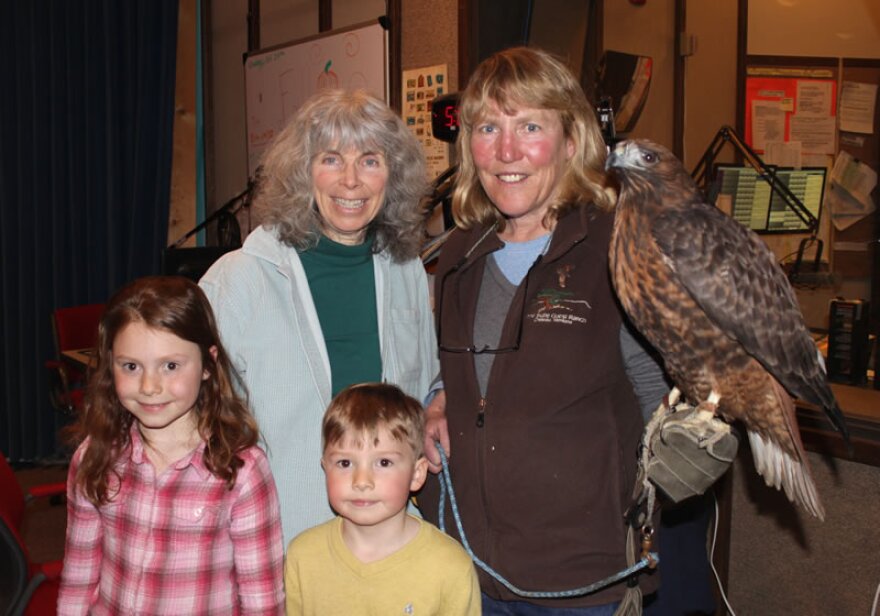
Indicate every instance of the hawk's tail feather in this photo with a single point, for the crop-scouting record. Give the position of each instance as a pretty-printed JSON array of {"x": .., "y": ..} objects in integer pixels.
[
  {"x": 836, "y": 416},
  {"x": 828, "y": 402},
  {"x": 822, "y": 396},
  {"x": 781, "y": 471}
]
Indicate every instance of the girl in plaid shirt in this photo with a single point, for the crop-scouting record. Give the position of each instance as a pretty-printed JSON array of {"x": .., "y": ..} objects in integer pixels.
[{"x": 172, "y": 508}]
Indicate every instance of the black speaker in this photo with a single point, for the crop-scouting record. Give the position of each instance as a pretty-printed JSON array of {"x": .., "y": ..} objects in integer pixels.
[
  {"x": 492, "y": 29},
  {"x": 848, "y": 348},
  {"x": 191, "y": 262},
  {"x": 876, "y": 355},
  {"x": 566, "y": 28}
]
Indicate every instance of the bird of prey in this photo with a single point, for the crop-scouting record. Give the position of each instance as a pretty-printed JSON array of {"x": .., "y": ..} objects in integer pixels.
[{"x": 710, "y": 296}]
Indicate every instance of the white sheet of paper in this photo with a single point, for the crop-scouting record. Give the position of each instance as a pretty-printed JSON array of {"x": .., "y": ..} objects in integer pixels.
[
  {"x": 814, "y": 98},
  {"x": 857, "y": 107},
  {"x": 768, "y": 123},
  {"x": 845, "y": 210},
  {"x": 849, "y": 196},
  {"x": 782, "y": 153},
  {"x": 854, "y": 176},
  {"x": 815, "y": 133}
]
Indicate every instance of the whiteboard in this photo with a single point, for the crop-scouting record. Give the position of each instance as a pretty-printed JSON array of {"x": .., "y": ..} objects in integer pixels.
[{"x": 278, "y": 80}]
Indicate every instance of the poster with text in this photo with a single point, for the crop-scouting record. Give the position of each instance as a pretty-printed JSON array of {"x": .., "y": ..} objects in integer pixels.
[
  {"x": 786, "y": 109},
  {"x": 420, "y": 87}
]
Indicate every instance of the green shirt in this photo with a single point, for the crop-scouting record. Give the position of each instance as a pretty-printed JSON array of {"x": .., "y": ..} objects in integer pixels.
[{"x": 343, "y": 288}]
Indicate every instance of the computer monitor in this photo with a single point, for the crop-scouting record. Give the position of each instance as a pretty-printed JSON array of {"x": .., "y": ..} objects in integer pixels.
[{"x": 755, "y": 205}]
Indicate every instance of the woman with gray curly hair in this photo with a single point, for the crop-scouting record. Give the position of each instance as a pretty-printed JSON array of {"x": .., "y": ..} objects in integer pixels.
[{"x": 329, "y": 290}]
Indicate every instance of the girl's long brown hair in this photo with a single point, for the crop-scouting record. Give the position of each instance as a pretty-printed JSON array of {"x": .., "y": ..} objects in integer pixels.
[{"x": 178, "y": 306}]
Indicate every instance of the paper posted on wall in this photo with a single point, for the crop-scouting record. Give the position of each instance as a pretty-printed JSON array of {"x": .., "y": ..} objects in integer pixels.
[
  {"x": 849, "y": 196},
  {"x": 857, "y": 107},
  {"x": 420, "y": 87}
]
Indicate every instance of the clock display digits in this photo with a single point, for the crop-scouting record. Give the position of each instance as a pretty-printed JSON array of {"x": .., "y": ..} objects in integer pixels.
[{"x": 444, "y": 117}]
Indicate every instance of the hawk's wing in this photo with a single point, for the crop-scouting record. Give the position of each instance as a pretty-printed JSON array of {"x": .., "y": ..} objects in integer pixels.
[{"x": 734, "y": 278}]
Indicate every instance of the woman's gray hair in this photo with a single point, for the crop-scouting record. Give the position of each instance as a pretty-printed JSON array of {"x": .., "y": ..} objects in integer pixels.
[{"x": 337, "y": 120}]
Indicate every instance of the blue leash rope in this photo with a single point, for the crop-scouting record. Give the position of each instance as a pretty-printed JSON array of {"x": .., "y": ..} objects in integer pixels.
[{"x": 446, "y": 486}]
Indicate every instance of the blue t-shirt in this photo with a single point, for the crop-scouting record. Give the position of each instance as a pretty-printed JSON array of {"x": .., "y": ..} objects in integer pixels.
[{"x": 515, "y": 258}]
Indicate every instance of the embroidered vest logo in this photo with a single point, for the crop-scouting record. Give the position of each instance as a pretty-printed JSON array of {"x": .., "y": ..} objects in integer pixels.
[
  {"x": 563, "y": 271},
  {"x": 559, "y": 305}
]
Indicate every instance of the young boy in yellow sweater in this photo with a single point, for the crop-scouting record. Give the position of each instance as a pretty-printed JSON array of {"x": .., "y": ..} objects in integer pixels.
[{"x": 374, "y": 557}]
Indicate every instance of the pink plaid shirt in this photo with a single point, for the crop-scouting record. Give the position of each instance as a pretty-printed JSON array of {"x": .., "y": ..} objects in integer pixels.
[{"x": 179, "y": 543}]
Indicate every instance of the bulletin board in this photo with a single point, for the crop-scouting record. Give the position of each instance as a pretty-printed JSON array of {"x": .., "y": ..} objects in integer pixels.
[
  {"x": 814, "y": 86},
  {"x": 791, "y": 107},
  {"x": 279, "y": 79},
  {"x": 786, "y": 100}
]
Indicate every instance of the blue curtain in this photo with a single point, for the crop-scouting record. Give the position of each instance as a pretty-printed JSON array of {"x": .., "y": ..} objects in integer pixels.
[{"x": 86, "y": 119}]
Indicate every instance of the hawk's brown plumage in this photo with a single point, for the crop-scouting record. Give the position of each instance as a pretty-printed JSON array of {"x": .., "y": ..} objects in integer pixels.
[{"x": 711, "y": 298}]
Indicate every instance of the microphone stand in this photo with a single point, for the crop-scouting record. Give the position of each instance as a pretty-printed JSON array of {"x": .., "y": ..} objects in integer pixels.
[
  {"x": 702, "y": 173},
  {"x": 244, "y": 197},
  {"x": 441, "y": 194},
  {"x": 727, "y": 135}
]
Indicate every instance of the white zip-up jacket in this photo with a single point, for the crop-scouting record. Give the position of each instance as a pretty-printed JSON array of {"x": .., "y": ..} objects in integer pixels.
[{"x": 270, "y": 328}]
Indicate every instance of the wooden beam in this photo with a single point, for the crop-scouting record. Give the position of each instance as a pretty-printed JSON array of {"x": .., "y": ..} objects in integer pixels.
[{"x": 325, "y": 15}]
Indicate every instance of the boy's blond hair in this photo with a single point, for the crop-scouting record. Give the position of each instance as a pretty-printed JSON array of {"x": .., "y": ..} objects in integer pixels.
[{"x": 366, "y": 408}]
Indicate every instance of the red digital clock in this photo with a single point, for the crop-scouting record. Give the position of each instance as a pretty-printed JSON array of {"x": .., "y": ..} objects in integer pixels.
[{"x": 444, "y": 117}]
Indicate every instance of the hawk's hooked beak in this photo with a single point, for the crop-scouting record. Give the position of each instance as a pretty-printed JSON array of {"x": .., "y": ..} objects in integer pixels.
[{"x": 615, "y": 158}]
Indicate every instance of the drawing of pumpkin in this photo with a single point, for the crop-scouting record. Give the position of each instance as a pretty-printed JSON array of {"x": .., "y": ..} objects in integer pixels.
[{"x": 328, "y": 79}]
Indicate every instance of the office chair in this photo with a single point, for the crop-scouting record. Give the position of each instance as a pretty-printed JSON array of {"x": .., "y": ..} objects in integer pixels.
[
  {"x": 74, "y": 328},
  {"x": 26, "y": 588}
]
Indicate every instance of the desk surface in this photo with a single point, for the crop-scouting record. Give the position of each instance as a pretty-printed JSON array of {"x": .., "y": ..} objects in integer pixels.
[
  {"x": 84, "y": 358},
  {"x": 861, "y": 407},
  {"x": 861, "y": 402}
]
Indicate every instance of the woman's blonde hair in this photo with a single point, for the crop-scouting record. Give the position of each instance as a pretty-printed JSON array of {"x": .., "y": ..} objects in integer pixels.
[
  {"x": 528, "y": 77},
  {"x": 338, "y": 119}
]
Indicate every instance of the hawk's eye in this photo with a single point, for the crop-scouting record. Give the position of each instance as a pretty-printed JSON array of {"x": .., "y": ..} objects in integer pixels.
[{"x": 649, "y": 157}]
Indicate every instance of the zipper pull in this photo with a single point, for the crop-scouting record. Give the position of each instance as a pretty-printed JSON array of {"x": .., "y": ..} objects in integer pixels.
[{"x": 481, "y": 413}]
